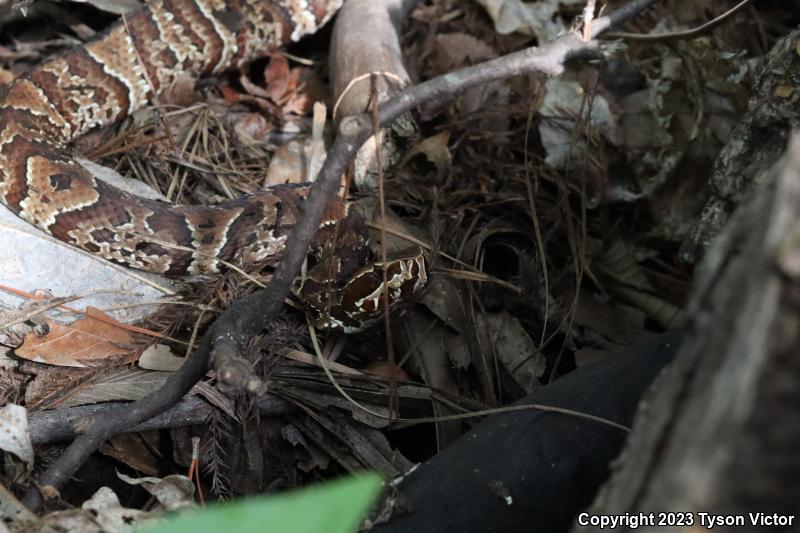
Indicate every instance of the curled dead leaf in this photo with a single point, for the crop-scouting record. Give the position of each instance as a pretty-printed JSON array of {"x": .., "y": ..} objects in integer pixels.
[{"x": 86, "y": 342}]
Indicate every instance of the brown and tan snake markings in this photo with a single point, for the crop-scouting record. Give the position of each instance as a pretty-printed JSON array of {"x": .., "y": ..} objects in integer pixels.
[{"x": 110, "y": 77}]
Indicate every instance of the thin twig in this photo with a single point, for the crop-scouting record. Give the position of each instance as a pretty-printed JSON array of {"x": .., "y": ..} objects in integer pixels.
[
  {"x": 406, "y": 422},
  {"x": 387, "y": 323},
  {"x": 679, "y": 35}
]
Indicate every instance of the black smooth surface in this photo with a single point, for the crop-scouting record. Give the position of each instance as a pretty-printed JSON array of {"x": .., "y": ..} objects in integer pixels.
[{"x": 551, "y": 464}]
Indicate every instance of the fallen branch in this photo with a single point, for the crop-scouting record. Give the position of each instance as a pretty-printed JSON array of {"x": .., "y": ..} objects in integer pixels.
[
  {"x": 250, "y": 315},
  {"x": 366, "y": 42},
  {"x": 62, "y": 424}
]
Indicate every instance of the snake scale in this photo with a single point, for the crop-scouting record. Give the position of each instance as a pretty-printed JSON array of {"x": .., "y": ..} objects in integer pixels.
[{"x": 120, "y": 71}]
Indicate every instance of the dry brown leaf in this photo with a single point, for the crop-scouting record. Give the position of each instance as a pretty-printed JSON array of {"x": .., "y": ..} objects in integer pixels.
[
  {"x": 290, "y": 163},
  {"x": 299, "y": 104},
  {"x": 253, "y": 89},
  {"x": 387, "y": 370},
  {"x": 5, "y": 76},
  {"x": 251, "y": 128},
  {"x": 233, "y": 96},
  {"x": 294, "y": 90},
  {"x": 229, "y": 94},
  {"x": 505, "y": 337},
  {"x": 86, "y": 342},
  {"x": 135, "y": 450},
  {"x": 435, "y": 149},
  {"x": 277, "y": 78},
  {"x": 455, "y": 50}
]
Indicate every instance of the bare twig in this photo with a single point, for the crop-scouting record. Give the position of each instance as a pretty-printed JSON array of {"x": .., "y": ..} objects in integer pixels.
[
  {"x": 387, "y": 323},
  {"x": 250, "y": 315},
  {"x": 679, "y": 35}
]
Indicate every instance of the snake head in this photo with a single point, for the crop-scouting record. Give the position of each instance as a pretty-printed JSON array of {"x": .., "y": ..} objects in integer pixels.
[{"x": 359, "y": 302}]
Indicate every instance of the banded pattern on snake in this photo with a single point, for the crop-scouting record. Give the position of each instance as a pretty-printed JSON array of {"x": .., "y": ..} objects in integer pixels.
[{"x": 105, "y": 80}]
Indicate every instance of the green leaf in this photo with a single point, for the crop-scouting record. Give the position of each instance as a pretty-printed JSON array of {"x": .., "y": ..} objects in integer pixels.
[{"x": 335, "y": 507}]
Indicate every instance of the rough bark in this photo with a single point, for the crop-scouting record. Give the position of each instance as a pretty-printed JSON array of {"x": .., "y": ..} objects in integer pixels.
[
  {"x": 755, "y": 144},
  {"x": 719, "y": 431}
]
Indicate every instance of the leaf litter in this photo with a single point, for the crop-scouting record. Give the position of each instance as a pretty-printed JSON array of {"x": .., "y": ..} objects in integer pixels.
[{"x": 546, "y": 206}]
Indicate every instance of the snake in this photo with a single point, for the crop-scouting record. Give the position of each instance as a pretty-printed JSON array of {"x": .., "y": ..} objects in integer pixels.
[{"x": 123, "y": 69}]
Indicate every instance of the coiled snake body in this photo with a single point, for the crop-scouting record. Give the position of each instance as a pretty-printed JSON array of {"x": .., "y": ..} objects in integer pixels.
[{"x": 110, "y": 77}]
